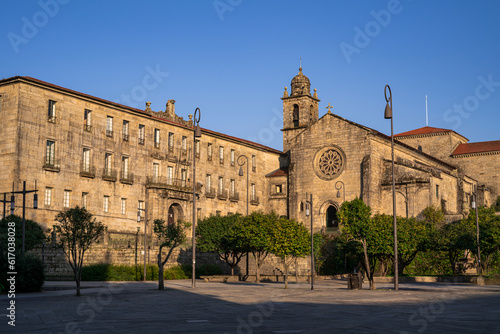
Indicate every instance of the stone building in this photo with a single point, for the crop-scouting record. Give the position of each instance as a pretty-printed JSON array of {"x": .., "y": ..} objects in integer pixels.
[{"x": 114, "y": 159}]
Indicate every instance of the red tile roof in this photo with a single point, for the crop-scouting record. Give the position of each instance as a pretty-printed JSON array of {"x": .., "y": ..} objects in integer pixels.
[
  {"x": 422, "y": 131},
  {"x": 278, "y": 172},
  {"x": 484, "y": 146}
]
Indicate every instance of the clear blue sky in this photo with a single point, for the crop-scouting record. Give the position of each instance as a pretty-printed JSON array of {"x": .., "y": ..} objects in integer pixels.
[{"x": 232, "y": 58}]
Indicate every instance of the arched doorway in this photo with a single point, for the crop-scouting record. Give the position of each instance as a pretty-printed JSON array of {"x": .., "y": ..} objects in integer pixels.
[
  {"x": 174, "y": 214},
  {"x": 332, "y": 222}
]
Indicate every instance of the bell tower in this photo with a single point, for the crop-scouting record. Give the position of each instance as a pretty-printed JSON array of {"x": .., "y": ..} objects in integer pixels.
[{"x": 300, "y": 109}]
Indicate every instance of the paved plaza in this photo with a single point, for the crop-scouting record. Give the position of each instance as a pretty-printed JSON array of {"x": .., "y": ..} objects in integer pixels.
[{"x": 137, "y": 307}]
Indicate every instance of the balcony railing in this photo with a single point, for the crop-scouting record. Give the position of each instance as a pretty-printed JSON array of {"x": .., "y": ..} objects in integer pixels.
[
  {"x": 87, "y": 127},
  {"x": 157, "y": 144},
  {"x": 109, "y": 174},
  {"x": 52, "y": 119},
  {"x": 222, "y": 194},
  {"x": 169, "y": 183},
  {"x": 52, "y": 165},
  {"x": 126, "y": 177},
  {"x": 210, "y": 192},
  {"x": 109, "y": 133},
  {"x": 254, "y": 200},
  {"x": 141, "y": 141},
  {"x": 87, "y": 171},
  {"x": 234, "y": 196},
  {"x": 125, "y": 137}
]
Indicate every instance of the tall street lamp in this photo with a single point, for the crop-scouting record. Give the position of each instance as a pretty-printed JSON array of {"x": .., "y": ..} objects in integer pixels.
[
  {"x": 145, "y": 222},
  {"x": 136, "y": 237},
  {"x": 309, "y": 211},
  {"x": 12, "y": 204},
  {"x": 240, "y": 173},
  {"x": 196, "y": 134},
  {"x": 475, "y": 206},
  {"x": 387, "y": 115}
]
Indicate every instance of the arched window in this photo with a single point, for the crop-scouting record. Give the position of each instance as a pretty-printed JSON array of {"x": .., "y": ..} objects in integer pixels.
[
  {"x": 420, "y": 148},
  {"x": 295, "y": 115},
  {"x": 331, "y": 218},
  {"x": 311, "y": 113}
]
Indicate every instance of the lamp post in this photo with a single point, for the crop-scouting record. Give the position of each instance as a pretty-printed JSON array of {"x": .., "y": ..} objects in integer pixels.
[
  {"x": 475, "y": 206},
  {"x": 388, "y": 115},
  {"x": 4, "y": 201},
  {"x": 196, "y": 134},
  {"x": 240, "y": 173},
  {"x": 136, "y": 237},
  {"x": 12, "y": 204},
  {"x": 340, "y": 185},
  {"x": 309, "y": 211},
  {"x": 145, "y": 222}
]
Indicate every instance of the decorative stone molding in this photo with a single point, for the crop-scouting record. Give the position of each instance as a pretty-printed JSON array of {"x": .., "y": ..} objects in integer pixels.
[{"x": 329, "y": 162}]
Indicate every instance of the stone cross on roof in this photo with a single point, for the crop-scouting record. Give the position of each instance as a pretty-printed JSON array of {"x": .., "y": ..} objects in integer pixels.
[{"x": 329, "y": 107}]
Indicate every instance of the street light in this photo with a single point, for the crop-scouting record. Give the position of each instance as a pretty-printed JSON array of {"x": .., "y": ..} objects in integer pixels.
[
  {"x": 387, "y": 115},
  {"x": 12, "y": 205},
  {"x": 340, "y": 185},
  {"x": 145, "y": 222},
  {"x": 196, "y": 134},
  {"x": 240, "y": 173},
  {"x": 309, "y": 204},
  {"x": 136, "y": 237},
  {"x": 474, "y": 206}
]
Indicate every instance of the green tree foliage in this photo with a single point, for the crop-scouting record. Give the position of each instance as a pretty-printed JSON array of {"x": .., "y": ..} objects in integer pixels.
[
  {"x": 496, "y": 205},
  {"x": 221, "y": 234},
  {"x": 289, "y": 239},
  {"x": 170, "y": 236},
  {"x": 413, "y": 237},
  {"x": 77, "y": 230},
  {"x": 256, "y": 233},
  {"x": 29, "y": 269},
  {"x": 356, "y": 224}
]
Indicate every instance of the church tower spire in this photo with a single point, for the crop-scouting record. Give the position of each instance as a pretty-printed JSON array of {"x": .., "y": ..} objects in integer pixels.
[{"x": 300, "y": 109}]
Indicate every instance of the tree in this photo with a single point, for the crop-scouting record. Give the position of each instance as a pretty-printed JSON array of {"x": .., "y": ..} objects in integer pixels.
[
  {"x": 171, "y": 236},
  {"x": 219, "y": 234},
  {"x": 355, "y": 222},
  {"x": 77, "y": 230},
  {"x": 256, "y": 233},
  {"x": 413, "y": 237},
  {"x": 289, "y": 239},
  {"x": 456, "y": 239}
]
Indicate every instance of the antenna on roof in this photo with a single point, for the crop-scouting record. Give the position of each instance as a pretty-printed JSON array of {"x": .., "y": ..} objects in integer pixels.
[
  {"x": 426, "y": 113},
  {"x": 300, "y": 62}
]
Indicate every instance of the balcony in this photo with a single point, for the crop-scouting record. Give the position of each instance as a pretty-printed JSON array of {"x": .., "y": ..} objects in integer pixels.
[
  {"x": 52, "y": 119},
  {"x": 126, "y": 177},
  {"x": 109, "y": 174},
  {"x": 234, "y": 196},
  {"x": 222, "y": 194},
  {"x": 141, "y": 141},
  {"x": 109, "y": 133},
  {"x": 157, "y": 144},
  {"x": 254, "y": 200},
  {"x": 87, "y": 127},
  {"x": 125, "y": 137},
  {"x": 87, "y": 171},
  {"x": 169, "y": 183},
  {"x": 52, "y": 165},
  {"x": 210, "y": 192}
]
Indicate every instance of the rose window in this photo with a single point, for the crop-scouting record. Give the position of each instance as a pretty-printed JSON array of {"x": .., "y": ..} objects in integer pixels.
[{"x": 330, "y": 162}]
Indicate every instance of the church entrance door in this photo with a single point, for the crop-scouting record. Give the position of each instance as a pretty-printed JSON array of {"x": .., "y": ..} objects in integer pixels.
[
  {"x": 332, "y": 223},
  {"x": 171, "y": 216}
]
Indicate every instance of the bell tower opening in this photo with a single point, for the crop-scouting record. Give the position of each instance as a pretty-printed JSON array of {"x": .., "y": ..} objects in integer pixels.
[{"x": 295, "y": 115}]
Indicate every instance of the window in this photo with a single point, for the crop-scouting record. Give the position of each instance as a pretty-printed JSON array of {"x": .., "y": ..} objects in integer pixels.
[
  {"x": 254, "y": 163},
  {"x": 105, "y": 204},
  {"x": 197, "y": 148},
  {"x": 184, "y": 143},
  {"x": 52, "y": 111},
  {"x": 125, "y": 168},
  {"x": 109, "y": 126},
  {"x": 233, "y": 188},
  {"x": 123, "y": 206},
  {"x": 209, "y": 182},
  {"x": 84, "y": 199},
  {"x": 279, "y": 189},
  {"x": 48, "y": 196},
  {"x": 209, "y": 151},
  {"x": 141, "y": 206},
  {"x": 170, "y": 175},
  {"x": 252, "y": 192},
  {"x": 125, "y": 131},
  {"x": 108, "y": 162},
  {"x": 86, "y": 160},
  {"x": 87, "y": 120},
  {"x": 295, "y": 115},
  {"x": 67, "y": 195},
  {"x": 170, "y": 141},
  {"x": 437, "y": 191},
  {"x": 183, "y": 177},
  {"x": 232, "y": 157},
  {"x": 157, "y": 138},
  {"x": 156, "y": 171},
  {"x": 50, "y": 157},
  {"x": 221, "y": 184},
  {"x": 221, "y": 154},
  {"x": 142, "y": 132},
  {"x": 218, "y": 213}
]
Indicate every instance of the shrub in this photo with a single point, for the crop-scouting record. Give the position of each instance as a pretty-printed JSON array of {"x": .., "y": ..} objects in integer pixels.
[{"x": 30, "y": 275}]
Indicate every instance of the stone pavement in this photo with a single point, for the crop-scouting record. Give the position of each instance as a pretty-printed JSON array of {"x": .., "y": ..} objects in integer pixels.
[{"x": 137, "y": 307}]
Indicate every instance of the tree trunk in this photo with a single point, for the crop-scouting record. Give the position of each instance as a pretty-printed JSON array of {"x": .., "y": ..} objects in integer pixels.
[
  {"x": 257, "y": 273},
  {"x": 367, "y": 266},
  {"x": 77, "y": 280},
  {"x": 286, "y": 274},
  {"x": 160, "y": 273}
]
